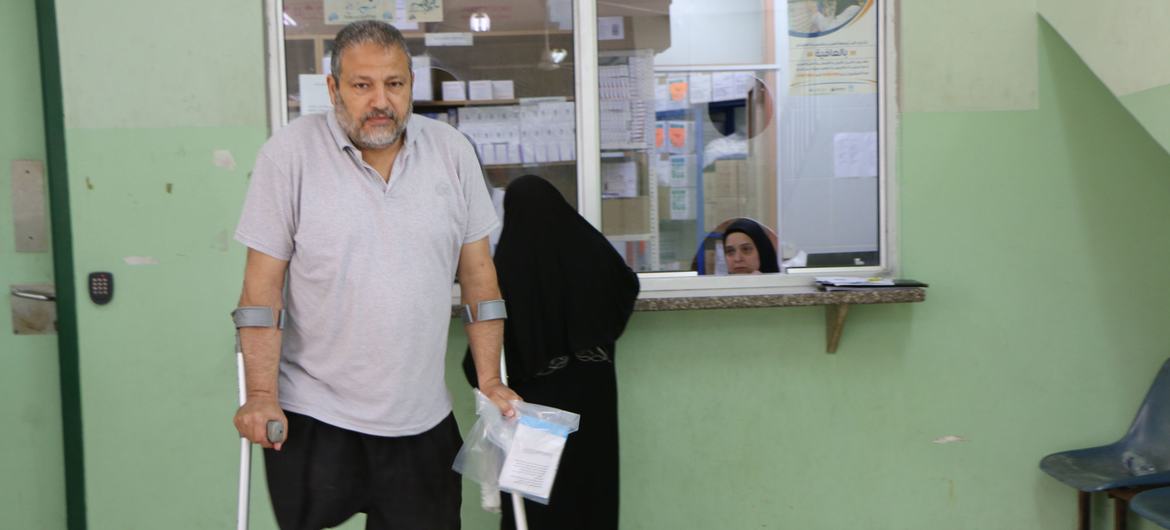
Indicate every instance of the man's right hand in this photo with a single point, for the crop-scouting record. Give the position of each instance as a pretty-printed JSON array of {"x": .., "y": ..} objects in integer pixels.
[{"x": 252, "y": 420}]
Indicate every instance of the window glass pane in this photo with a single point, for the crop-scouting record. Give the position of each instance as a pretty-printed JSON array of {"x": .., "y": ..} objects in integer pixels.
[
  {"x": 501, "y": 72},
  {"x": 714, "y": 121}
]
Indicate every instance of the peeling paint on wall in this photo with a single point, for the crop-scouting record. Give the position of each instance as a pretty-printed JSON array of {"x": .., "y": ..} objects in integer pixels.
[
  {"x": 140, "y": 260},
  {"x": 223, "y": 158},
  {"x": 948, "y": 439}
]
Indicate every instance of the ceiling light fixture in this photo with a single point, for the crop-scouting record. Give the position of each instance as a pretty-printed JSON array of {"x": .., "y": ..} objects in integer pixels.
[{"x": 480, "y": 22}]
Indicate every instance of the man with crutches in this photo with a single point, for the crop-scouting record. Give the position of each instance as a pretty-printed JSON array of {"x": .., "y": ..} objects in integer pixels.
[{"x": 356, "y": 222}]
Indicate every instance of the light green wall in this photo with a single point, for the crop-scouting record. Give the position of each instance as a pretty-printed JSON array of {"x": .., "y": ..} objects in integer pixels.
[
  {"x": 152, "y": 90},
  {"x": 32, "y": 475},
  {"x": 1152, "y": 108},
  {"x": 1031, "y": 341},
  {"x": 1118, "y": 39},
  {"x": 1122, "y": 42},
  {"x": 966, "y": 56}
]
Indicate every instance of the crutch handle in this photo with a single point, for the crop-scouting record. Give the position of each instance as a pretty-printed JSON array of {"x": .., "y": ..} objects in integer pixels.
[{"x": 275, "y": 431}]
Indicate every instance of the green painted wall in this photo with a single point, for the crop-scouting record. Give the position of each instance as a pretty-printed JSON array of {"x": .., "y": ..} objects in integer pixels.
[
  {"x": 1116, "y": 39},
  {"x": 1030, "y": 342},
  {"x": 1152, "y": 108},
  {"x": 942, "y": 69},
  {"x": 152, "y": 90},
  {"x": 32, "y": 487}
]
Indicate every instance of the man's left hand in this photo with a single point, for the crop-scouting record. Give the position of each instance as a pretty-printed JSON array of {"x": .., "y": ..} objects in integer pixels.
[{"x": 501, "y": 396}]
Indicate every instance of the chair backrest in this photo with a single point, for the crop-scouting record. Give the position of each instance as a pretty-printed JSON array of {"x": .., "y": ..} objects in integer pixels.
[{"x": 1149, "y": 434}]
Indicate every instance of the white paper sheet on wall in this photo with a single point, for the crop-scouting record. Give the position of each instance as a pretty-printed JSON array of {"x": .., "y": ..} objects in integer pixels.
[
  {"x": 314, "y": 94},
  {"x": 700, "y": 88},
  {"x": 725, "y": 87},
  {"x": 855, "y": 154}
]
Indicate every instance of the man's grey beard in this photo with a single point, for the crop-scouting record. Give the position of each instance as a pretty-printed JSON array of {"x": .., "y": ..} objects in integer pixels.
[{"x": 380, "y": 138}]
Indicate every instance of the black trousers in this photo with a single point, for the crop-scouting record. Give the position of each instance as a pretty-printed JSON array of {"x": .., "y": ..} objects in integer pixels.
[{"x": 323, "y": 475}]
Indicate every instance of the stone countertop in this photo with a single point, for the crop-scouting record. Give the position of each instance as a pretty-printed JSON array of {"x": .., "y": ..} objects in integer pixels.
[{"x": 810, "y": 297}]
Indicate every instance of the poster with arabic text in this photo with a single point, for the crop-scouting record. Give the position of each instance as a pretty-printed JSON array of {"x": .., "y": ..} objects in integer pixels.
[
  {"x": 832, "y": 47},
  {"x": 342, "y": 12},
  {"x": 424, "y": 10}
]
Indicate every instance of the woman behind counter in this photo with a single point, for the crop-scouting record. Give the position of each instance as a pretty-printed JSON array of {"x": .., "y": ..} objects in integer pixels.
[
  {"x": 747, "y": 249},
  {"x": 569, "y": 295}
]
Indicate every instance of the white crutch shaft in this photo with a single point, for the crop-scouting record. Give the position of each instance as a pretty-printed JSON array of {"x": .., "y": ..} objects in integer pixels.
[
  {"x": 518, "y": 513},
  {"x": 275, "y": 434}
]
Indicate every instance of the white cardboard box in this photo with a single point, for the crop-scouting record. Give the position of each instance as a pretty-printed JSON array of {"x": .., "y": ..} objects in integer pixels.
[
  {"x": 504, "y": 89},
  {"x": 454, "y": 91},
  {"x": 480, "y": 90}
]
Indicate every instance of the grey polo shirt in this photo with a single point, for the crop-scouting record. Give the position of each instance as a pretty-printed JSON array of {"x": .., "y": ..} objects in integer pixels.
[{"x": 370, "y": 270}]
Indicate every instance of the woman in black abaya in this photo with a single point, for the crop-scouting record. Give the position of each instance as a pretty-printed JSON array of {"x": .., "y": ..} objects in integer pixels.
[{"x": 569, "y": 295}]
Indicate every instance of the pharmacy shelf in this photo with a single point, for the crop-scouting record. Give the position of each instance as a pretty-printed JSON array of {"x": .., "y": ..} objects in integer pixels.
[
  {"x": 530, "y": 164},
  {"x": 475, "y": 102}
]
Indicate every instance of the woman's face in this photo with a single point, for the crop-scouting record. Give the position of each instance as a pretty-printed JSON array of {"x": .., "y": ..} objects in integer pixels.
[{"x": 741, "y": 254}]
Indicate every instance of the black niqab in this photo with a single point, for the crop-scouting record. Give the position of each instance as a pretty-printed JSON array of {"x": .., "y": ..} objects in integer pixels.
[
  {"x": 565, "y": 286},
  {"x": 752, "y": 229}
]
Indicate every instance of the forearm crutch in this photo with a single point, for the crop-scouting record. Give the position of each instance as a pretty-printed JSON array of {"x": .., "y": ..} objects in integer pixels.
[
  {"x": 251, "y": 317},
  {"x": 518, "y": 513}
]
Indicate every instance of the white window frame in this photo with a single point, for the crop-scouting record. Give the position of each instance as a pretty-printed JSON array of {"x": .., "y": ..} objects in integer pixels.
[{"x": 675, "y": 284}]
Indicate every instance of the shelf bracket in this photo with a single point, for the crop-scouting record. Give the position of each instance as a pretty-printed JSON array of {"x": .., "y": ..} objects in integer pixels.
[{"x": 834, "y": 324}]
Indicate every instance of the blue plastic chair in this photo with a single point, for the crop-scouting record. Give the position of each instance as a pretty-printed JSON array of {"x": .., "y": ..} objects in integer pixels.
[
  {"x": 1153, "y": 505},
  {"x": 1140, "y": 460}
]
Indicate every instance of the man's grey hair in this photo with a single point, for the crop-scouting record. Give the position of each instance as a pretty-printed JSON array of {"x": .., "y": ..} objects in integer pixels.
[{"x": 364, "y": 32}]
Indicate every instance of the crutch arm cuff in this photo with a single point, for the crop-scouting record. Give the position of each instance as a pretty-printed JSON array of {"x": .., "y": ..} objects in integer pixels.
[
  {"x": 257, "y": 317},
  {"x": 485, "y": 310}
]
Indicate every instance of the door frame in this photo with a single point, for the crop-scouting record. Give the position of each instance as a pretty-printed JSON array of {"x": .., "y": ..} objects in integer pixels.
[{"x": 63, "y": 269}]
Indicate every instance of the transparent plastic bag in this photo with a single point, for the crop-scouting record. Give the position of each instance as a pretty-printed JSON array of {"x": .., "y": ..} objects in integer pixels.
[{"x": 489, "y": 446}]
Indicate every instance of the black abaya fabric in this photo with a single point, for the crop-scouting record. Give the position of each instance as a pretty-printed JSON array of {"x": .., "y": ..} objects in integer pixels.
[
  {"x": 569, "y": 295},
  {"x": 565, "y": 286}
]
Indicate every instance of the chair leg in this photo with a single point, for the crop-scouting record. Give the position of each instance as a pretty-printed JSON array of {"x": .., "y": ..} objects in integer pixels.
[
  {"x": 1083, "y": 510},
  {"x": 1120, "y": 513}
]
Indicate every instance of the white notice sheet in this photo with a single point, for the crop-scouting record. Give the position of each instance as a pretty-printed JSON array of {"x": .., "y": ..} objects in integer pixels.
[{"x": 532, "y": 461}]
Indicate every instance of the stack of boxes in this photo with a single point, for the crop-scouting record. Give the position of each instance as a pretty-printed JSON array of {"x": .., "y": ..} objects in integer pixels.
[
  {"x": 728, "y": 188},
  {"x": 530, "y": 133},
  {"x": 623, "y": 211},
  {"x": 625, "y": 216},
  {"x": 677, "y": 199}
]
